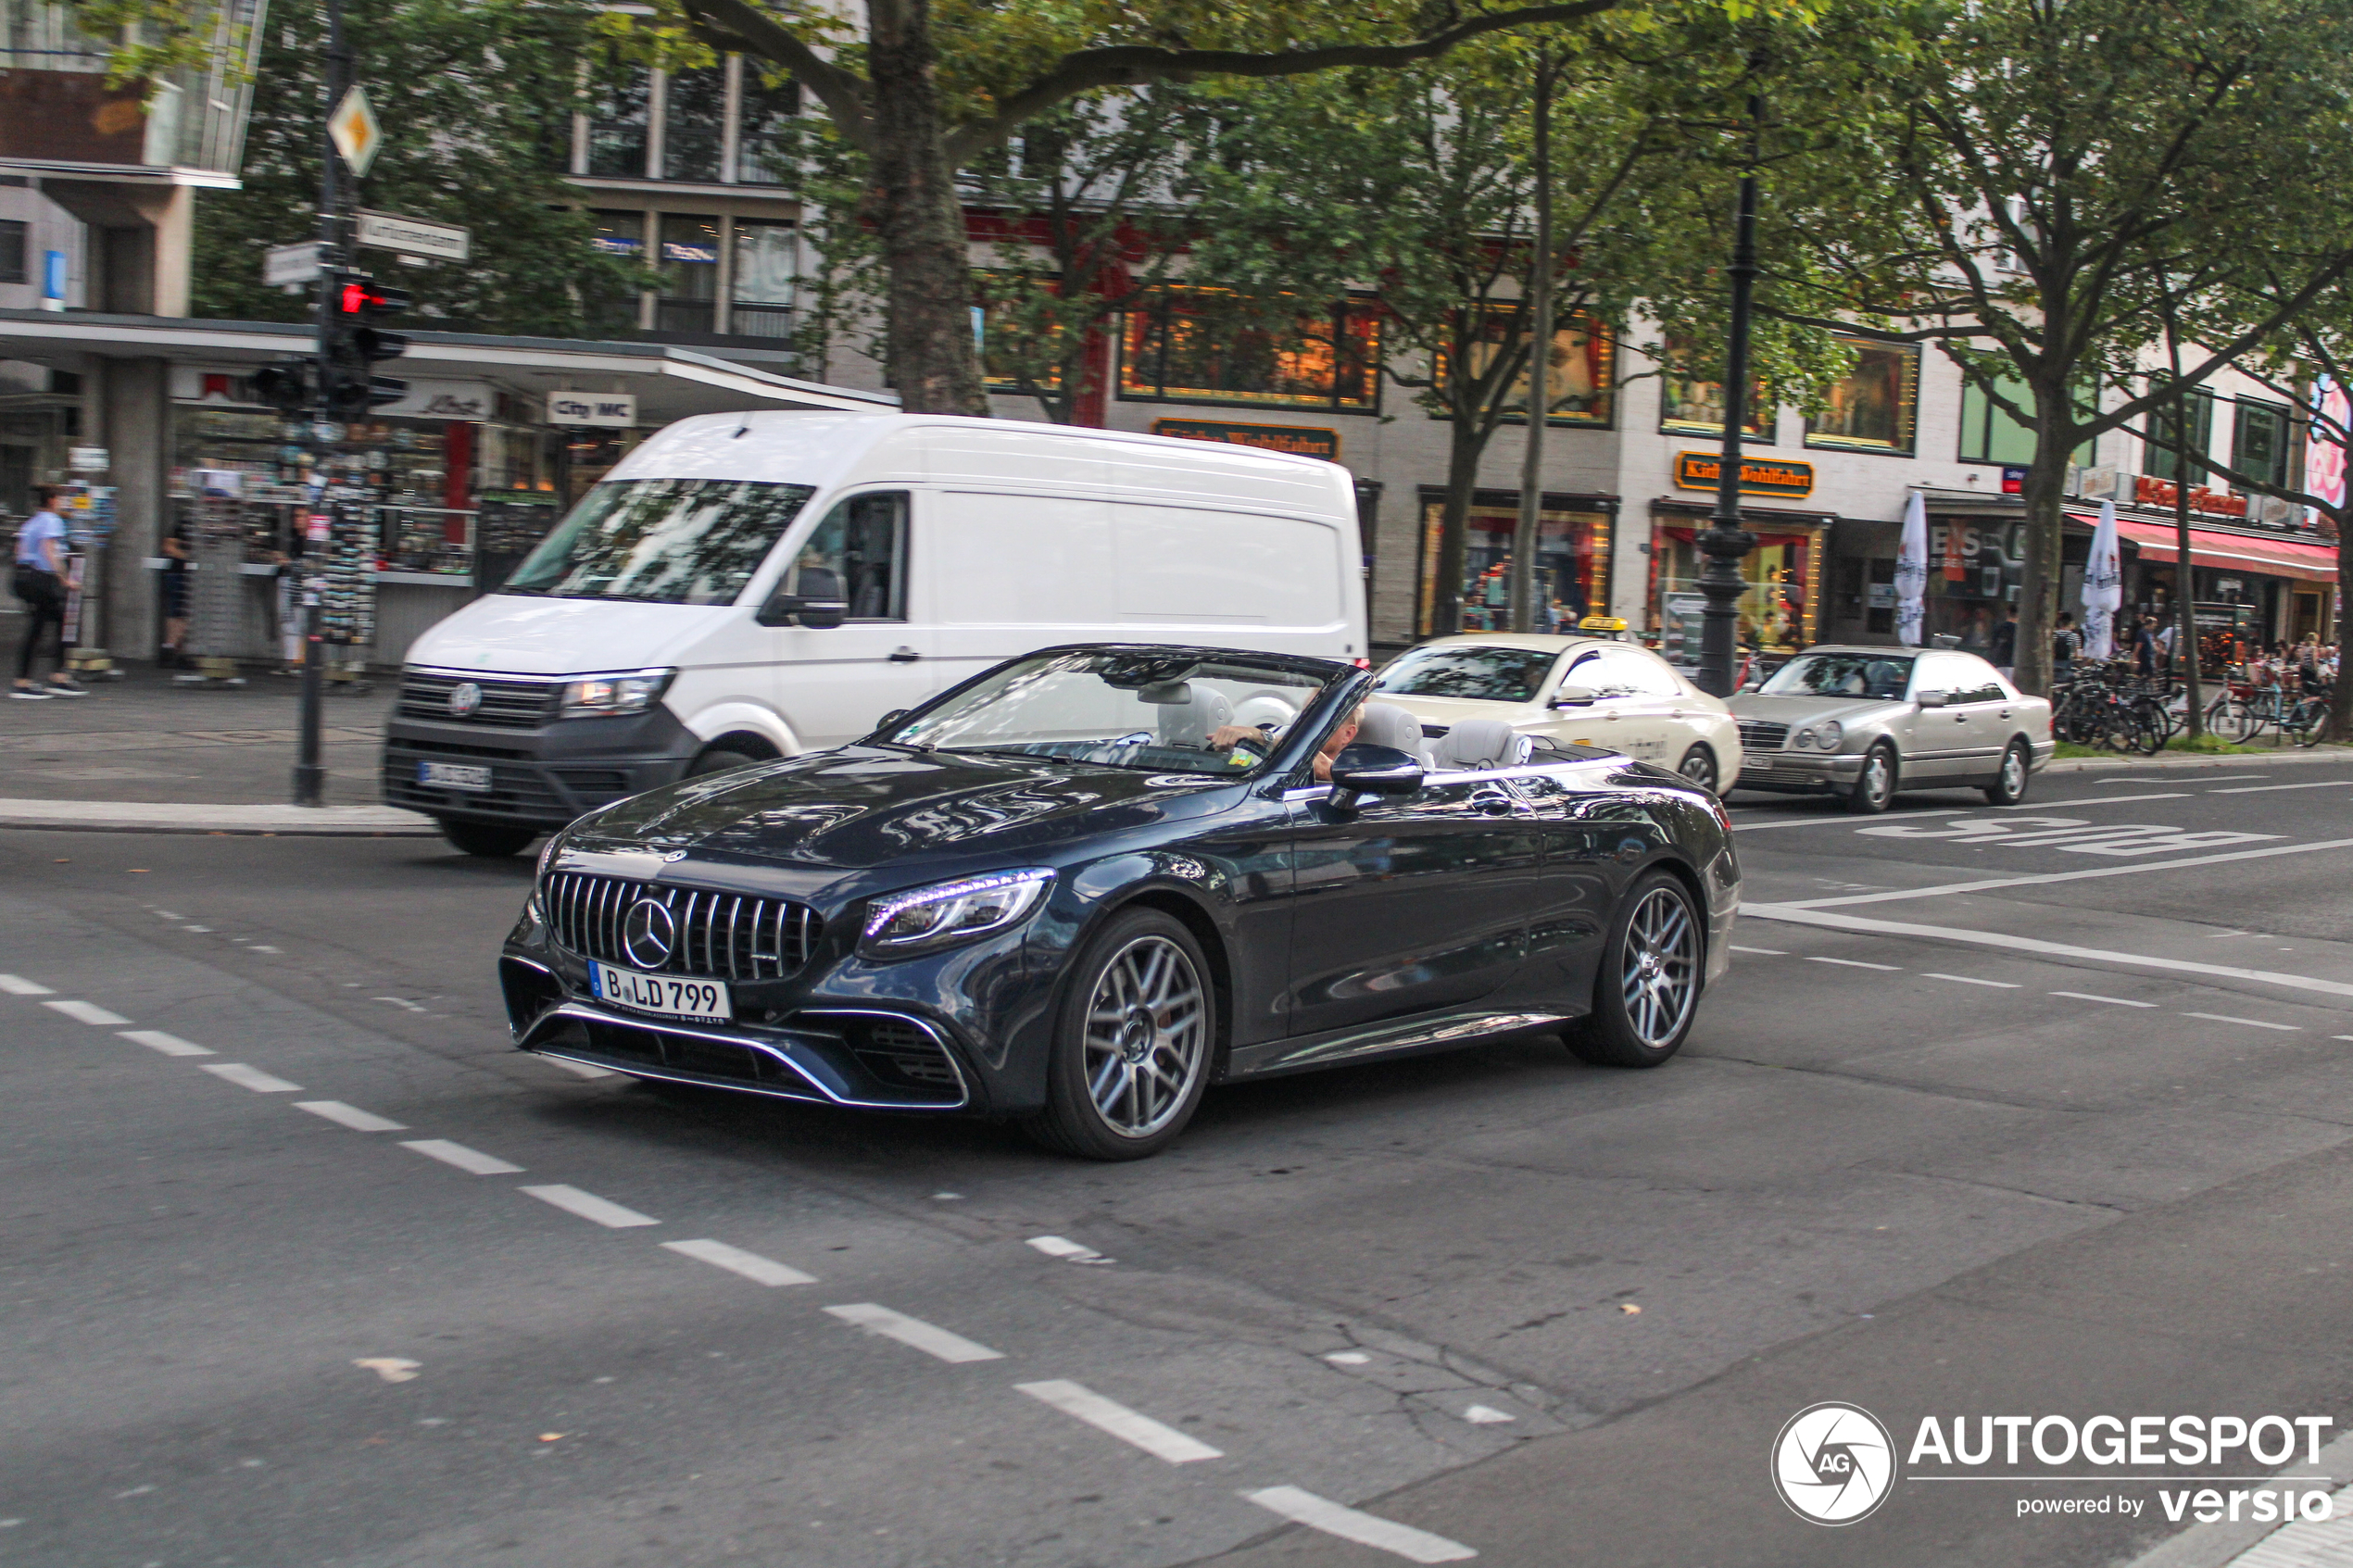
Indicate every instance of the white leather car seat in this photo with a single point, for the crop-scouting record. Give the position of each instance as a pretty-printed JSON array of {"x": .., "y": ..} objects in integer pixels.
[
  {"x": 1389, "y": 725},
  {"x": 1477, "y": 745},
  {"x": 1190, "y": 723}
]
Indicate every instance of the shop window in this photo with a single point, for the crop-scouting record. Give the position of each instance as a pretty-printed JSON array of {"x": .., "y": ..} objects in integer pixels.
[
  {"x": 766, "y": 269},
  {"x": 689, "y": 264},
  {"x": 1687, "y": 406},
  {"x": 2159, "y": 458},
  {"x": 1779, "y": 602},
  {"x": 617, "y": 128},
  {"x": 694, "y": 122},
  {"x": 13, "y": 234},
  {"x": 1581, "y": 381},
  {"x": 2258, "y": 442},
  {"x": 1013, "y": 359},
  {"x": 1198, "y": 345},
  {"x": 762, "y": 126},
  {"x": 620, "y": 233},
  {"x": 1876, "y": 407},
  {"x": 1572, "y": 564}
]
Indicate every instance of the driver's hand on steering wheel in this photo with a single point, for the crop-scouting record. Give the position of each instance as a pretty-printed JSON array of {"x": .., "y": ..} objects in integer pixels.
[{"x": 1227, "y": 736}]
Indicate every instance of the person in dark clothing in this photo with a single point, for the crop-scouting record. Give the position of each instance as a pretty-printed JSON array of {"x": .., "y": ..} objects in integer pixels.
[
  {"x": 175, "y": 596},
  {"x": 2003, "y": 656}
]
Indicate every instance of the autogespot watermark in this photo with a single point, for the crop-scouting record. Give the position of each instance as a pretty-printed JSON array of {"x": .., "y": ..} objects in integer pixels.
[{"x": 1835, "y": 1463}]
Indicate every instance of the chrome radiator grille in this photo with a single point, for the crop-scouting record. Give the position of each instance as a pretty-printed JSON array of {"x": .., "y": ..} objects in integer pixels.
[
  {"x": 722, "y": 936},
  {"x": 507, "y": 705},
  {"x": 1758, "y": 735}
]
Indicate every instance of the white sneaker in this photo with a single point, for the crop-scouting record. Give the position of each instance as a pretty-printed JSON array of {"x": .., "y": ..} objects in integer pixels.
[
  {"x": 28, "y": 694},
  {"x": 62, "y": 687}
]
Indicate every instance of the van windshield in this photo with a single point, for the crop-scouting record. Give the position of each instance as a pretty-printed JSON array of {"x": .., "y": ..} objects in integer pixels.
[{"x": 664, "y": 541}]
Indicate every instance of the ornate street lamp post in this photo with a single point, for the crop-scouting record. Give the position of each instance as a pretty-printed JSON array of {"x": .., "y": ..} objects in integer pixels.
[{"x": 1725, "y": 542}]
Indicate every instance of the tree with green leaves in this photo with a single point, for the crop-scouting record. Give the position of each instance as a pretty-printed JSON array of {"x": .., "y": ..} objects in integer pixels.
[{"x": 2055, "y": 177}]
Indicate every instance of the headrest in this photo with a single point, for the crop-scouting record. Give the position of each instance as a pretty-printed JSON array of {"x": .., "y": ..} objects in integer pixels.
[
  {"x": 1192, "y": 723},
  {"x": 1476, "y": 745},
  {"x": 1389, "y": 725}
]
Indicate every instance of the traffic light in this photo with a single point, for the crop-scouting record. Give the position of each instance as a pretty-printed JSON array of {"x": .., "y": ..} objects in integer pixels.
[
  {"x": 285, "y": 387},
  {"x": 356, "y": 340}
]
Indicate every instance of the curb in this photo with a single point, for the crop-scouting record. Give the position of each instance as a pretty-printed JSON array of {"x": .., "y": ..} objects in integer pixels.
[
  {"x": 2167, "y": 764},
  {"x": 283, "y": 822}
]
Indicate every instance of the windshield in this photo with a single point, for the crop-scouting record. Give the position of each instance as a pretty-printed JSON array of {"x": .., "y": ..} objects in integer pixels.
[
  {"x": 1480, "y": 674},
  {"x": 1160, "y": 713},
  {"x": 667, "y": 541},
  {"x": 1841, "y": 674}
]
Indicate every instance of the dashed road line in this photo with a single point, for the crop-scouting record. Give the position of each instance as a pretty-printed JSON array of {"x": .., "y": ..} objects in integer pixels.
[
  {"x": 2094, "y": 800},
  {"x": 1068, "y": 1250},
  {"x": 87, "y": 1013},
  {"x": 2044, "y": 878},
  {"x": 1970, "y": 980},
  {"x": 927, "y": 1338},
  {"x": 1829, "y": 820},
  {"x": 1129, "y": 1426},
  {"x": 470, "y": 1160},
  {"x": 1853, "y": 963},
  {"x": 350, "y": 1116},
  {"x": 1761, "y": 952},
  {"x": 735, "y": 1261},
  {"x": 18, "y": 986},
  {"x": 1365, "y": 1529},
  {"x": 252, "y": 1078},
  {"x": 588, "y": 1206},
  {"x": 157, "y": 1040},
  {"x": 2112, "y": 1001},
  {"x": 1487, "y": 1415},
  {"x": 2250, "y": 1023},
  {"x": 2260, "y": 789}
]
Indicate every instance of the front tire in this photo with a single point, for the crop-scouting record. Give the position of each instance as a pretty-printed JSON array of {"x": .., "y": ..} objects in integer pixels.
[
  {"x": 1875, "y": 785},
  {"x": 2010, "y": 785},
  {"x": 492, "y": 841},
  {"x": 719, "y": 762},
  {"x": 1699, "y": 767},
  {"x": 1133, "y": 1041},
  {"x": 1647, "y": 993}
]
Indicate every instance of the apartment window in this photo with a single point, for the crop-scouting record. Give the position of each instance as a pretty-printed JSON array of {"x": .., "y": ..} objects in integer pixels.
[
  {"x": 689, "y": 266},
  {"x": 1876, "y": 408},
  {"x": 1579, "y": 383},
  {"x": 1197, "y": 346},
  {"x": 694, "y": 123},
  {"x": 762, "y": 122},
  {"x": 766, "y": 269},
  {"x": 617, "y": 128},
  {"x": 2159, "y": 459},
  {"x": 1991, "y": 434},
  {"x": 13, "y": 240},
  {"x": 2258, "y": 442}
]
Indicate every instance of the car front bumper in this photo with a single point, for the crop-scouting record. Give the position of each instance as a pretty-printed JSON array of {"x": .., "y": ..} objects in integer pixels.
[
  {"x": 542, "y": 777},
  {"x": 1799, "y": 769}
]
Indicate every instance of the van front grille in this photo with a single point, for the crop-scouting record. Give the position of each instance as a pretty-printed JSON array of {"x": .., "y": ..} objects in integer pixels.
[{"x": 509, "y": 705}]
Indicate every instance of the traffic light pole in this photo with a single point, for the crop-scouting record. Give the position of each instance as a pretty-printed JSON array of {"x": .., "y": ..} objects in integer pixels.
[{"x": 309, "y": 773}]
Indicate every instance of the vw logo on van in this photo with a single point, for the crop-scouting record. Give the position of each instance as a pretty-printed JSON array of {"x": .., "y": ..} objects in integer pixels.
[
  {"x": 465, "y": 700},
  {"x": 648, "y": 932}
]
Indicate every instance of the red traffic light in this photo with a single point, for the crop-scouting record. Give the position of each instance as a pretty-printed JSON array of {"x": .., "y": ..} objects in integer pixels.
[{"x": 360, "y": 296}]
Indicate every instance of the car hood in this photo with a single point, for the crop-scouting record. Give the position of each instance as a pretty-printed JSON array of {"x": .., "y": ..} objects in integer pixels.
[
  {"x": 523, "y": 634},
  {"x": 860, "y": 807},
  {"x": 1796, "y": 710}
]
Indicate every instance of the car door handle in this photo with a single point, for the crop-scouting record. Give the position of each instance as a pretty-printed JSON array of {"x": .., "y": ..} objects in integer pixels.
[{"x": 903, "y": 655}]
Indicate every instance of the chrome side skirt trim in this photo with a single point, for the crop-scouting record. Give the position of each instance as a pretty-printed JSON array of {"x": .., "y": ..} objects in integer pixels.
[{"x": 1356, "y": 1045}]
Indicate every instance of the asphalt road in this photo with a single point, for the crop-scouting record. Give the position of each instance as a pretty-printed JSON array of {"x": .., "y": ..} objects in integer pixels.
[{"x": 2035, "y": 1110}]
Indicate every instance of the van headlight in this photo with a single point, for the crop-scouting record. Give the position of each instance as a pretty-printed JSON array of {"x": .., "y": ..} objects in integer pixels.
[
  {"x": 600, "y": 694},
  {"x": 925, "y": 919}
]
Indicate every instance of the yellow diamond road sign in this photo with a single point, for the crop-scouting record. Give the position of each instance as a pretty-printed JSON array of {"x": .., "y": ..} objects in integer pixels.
[{"x": 353, "y": 127}]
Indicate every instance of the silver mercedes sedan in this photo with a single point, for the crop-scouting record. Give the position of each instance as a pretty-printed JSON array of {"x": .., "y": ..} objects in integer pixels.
[{"x": 1861, "y": 724}]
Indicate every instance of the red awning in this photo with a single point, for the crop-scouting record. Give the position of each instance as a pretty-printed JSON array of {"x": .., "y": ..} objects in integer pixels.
[{"x": 2232, "y": 552}]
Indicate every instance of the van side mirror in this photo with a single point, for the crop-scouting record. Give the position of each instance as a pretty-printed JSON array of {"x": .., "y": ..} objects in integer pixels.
[
  {"x": 1931, "y": 699},
  {"x": 819, "y": 605},
  {"x": 1365, "y": 769}
]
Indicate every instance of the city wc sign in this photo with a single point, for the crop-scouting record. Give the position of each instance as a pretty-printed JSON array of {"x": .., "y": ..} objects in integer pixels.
[
  {"x": 1759, "y": 476},
  {"x": 614, "y": 408}
]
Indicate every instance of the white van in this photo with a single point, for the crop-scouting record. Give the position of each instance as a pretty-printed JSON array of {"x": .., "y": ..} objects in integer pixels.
[{"x": 746, "y": 587}]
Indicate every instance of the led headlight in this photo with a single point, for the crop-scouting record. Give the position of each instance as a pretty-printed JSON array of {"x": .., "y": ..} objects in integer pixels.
[
  {"x": 925, "y": 919},
  {"x": 600, "y": 694}
]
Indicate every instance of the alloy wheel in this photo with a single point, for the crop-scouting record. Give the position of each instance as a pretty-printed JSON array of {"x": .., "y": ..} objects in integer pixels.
[
  {"x": 1147, "y": 1035},
  {"x": 1876, "y": 782},
  {"x": 2013, "y": 773},
  {"x": 1659, "y": 968},
  {"x": 1699, "y": 766}
]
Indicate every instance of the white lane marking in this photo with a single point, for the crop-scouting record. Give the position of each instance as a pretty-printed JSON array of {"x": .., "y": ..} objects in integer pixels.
[
  {"x": 1761, "y": 952},
  {"x": 1829, "y": 821},
  {"x": 1851, "y": 963},
  {"x": 18, "y": 986},
  {"x": 580, "y": 1068},
  {"x": 86, "y": 1012},
  {"x": 2250, "y": 1023},
  {"x": 1365, "y": 1529},
  {"x": 1799, "y": 914},
  {"x": 157, "y": 1040},
  {"x": 588, "y": 1206},
  {"x": 392, "y": 1369},
  {"x": 735, "y": 1261},
  {"x": 2094, "y": 800},
  {"x": 2219, "y": 778},
  {"x": 252, "y": 1078},
  {"x": 923, "y": 1337},
  {"x": 265, "y": 948},
  {"x": 1970, "y": 980},
  {"x": 1486, "y": 1416},
  {"x": 167, "y": 914},
  {"x": 470, "y": 1160},
  {"x": 1348, "y": 1357},
  {"x": 2259, "y": 789},
  {"x": 350, "y": 1116},
  {"x": 2112, "y": 1001},
  {"x": 1943, "y": 889},
  {"x": 197, "y": 928},
  {"x": 399, "y": 1002},
  {"x": 1063, "y": 1248},
  {"x": 1128, "y": 1426}
]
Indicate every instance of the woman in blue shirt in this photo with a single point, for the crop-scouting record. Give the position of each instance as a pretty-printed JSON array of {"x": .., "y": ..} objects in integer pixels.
[{"x": 39, "y": 582}]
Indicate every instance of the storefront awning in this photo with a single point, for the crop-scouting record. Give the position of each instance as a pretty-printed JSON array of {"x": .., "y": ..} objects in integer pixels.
[{"x": 2234, "y": 552}]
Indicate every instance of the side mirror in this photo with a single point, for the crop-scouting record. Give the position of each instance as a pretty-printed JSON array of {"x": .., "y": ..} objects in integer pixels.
[
  {"x": 821, "y": 605},
  {"x": 887, "y": 720},
  {"x": 1365, "y": 769},
  {"x": 1574, "y": 697},
  {"x": 1931, "y": 699}
]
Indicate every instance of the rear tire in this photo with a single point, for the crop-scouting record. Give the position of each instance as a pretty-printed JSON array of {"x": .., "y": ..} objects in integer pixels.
[
  {"x": 2009, "y": 784},
  {"x": 1653, "y": 963},
  {"x": 1699, "y": 767},
  {"x": 1874, "y": 787},
  {"x": 492, "y": 841},
  {"x": 1134, "y": 1039}
]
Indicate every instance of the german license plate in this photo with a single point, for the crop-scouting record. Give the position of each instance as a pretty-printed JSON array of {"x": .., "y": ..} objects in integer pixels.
[
  {"x": 697, "y": 1001},
  {"x": 452, "y": 775}
]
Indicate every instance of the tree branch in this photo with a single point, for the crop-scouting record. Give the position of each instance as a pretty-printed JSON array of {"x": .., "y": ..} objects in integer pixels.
[{"x": 843, "y": 92}]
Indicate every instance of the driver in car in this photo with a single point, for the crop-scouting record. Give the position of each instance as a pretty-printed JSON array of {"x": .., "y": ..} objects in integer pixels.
[{"x": 1259, "y": 741}]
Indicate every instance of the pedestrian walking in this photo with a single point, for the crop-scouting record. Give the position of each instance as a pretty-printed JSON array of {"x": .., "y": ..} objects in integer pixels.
[
  {"x": 175, "y": 596},
  {"x": 2066, "y": 642},
  {"x": 2003, "y": 655},
  {"x": 2146, "y": 646},
  {"x": 39, "y": 582}
]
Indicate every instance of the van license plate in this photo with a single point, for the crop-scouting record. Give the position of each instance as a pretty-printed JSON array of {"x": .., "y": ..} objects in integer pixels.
[
  {"x": 452, "y": 775},
  {"x": 697, "y": 1001}
]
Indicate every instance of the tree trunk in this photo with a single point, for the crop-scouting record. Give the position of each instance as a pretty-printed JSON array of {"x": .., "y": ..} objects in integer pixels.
[
  {"x": 1454, "y": 528},
  {"x": 2039, "y": 582},
  {"x": 2340, "y": 699},
  {"x": 1540, "y": 360},
  {"x": 931, "y": 359}
]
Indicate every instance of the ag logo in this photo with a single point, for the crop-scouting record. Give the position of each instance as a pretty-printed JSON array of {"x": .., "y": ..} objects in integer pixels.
[
  {"x": 1833, "y": 1464},
  {"x": 465, "y": 700}
]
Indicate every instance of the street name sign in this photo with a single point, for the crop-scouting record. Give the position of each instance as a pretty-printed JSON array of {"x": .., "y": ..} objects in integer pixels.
[
  {"x": 414, "y": 236},
  {"x": 289, "y": 264}
]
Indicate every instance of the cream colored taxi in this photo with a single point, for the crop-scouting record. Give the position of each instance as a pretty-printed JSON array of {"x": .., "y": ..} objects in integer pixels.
[{"x": 1588, "y": 690}]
